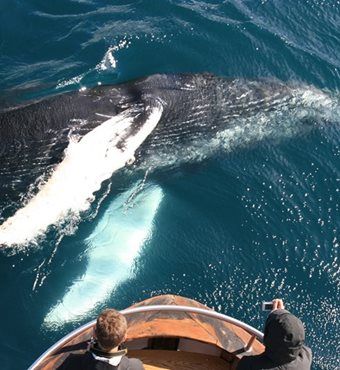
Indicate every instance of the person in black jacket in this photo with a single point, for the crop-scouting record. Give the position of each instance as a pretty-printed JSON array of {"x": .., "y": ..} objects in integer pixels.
[
  {"x": 105, "y": 353},
  {"x": 284, "y": 337}
]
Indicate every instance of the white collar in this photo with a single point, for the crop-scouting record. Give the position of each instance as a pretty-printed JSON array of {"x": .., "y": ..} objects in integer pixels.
[{"x": 114, "y": 361}]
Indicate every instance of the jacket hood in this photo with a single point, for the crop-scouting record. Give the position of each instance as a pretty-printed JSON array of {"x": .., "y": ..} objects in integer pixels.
[{"x": 284, "y": 336}]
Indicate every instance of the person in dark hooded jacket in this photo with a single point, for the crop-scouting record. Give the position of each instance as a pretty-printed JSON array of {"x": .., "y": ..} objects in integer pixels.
[{"x": 284, "y": 337}]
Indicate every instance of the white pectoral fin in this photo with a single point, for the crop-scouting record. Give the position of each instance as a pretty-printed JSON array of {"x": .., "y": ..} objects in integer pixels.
[
  {"x": 87, "y": 163},
  {"x": 113, "y": 246},
  {"x": 144, "y": 123}
]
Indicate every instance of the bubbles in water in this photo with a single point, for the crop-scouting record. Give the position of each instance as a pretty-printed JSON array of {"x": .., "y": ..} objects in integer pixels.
[
  {"x": 72, "y": 81},
  {"x": 109, "y": 61}
]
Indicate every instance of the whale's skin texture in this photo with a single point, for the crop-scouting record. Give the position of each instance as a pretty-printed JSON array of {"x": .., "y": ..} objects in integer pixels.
[
  {"x": 203, "y": 97},
  {"x": 196, "y": 108}
]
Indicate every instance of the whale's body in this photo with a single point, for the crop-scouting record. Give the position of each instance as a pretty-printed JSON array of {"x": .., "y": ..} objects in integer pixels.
[
  {"x": 196, "y": 113},
  {"x": 193, "y": 104}
]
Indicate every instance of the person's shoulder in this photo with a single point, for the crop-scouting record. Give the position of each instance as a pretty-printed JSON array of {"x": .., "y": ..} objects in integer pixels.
[
  {"x": 75, "y": 361},
  {"x": 134, "y": 363}
]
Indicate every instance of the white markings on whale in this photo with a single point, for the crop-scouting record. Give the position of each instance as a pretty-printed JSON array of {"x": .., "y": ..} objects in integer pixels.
[{"x": 86, "y": 164}]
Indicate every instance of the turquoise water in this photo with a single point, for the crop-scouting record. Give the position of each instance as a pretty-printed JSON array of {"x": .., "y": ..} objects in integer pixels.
[{"x": 244, "y": 225}]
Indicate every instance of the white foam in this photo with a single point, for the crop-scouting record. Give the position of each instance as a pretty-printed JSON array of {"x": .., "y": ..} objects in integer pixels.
[
  {"x": 72, "y": 81},
  {"x": 86, "y": 165},
  {"x": 113, "y": 247},
  {"x": 109, "y": 61}
]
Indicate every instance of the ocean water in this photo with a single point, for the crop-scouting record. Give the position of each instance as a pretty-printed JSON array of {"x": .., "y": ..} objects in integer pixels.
[{"x": 246, "y": 222}]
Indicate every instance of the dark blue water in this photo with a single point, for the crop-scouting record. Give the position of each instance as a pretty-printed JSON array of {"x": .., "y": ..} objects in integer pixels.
[{"x": 247, "y": 224}]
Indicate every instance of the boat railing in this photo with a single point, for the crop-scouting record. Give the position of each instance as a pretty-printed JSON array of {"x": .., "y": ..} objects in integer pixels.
[{"x": 152, "y": 308}]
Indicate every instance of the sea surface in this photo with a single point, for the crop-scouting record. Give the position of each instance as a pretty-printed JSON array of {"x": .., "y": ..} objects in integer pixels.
[{"x": 252, "y": 221}]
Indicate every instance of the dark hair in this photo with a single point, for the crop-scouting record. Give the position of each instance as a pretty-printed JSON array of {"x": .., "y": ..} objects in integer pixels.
[{"x": 110, "y": 329}]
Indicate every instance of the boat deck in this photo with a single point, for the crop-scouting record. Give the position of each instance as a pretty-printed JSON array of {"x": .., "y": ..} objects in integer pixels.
[{"x": 174, "y": 360}]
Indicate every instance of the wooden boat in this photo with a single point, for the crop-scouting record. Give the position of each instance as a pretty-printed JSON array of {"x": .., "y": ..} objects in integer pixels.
[{"x": 170, "y": 332}]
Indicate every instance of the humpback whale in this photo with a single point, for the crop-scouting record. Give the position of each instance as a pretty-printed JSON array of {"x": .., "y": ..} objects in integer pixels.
[{"x": 56, "y": 152}]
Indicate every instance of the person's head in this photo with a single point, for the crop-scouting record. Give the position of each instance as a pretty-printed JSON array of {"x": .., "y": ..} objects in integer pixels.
[
  {"x": 110, "y": 329},
  {"x": 284, "y": 336}
]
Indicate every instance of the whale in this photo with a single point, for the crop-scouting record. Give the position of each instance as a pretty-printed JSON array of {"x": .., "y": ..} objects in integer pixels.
[
  {"x": 57, "y": 151},
  {"x": 112, "y": 247}
]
